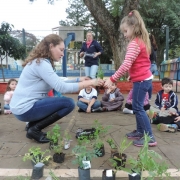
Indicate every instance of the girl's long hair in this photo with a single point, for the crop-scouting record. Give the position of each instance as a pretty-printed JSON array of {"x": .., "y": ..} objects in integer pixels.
[
  {"x": 42, "y": 50},
  {"x": 9, "y": 82},
  {"x": 139, "y": 31}
]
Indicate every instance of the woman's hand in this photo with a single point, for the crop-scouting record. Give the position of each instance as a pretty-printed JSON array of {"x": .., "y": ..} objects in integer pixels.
[
  {"x": 81, "y": 54},
  {"x": 95, "y": 55},
  {"x": 108, "y": 83},
  {"x": 84, "y": 78}
]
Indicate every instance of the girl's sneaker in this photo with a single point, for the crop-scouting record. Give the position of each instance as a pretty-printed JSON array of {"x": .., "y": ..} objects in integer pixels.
[
  {"x": 7, "y": 111},
  {"x": 134, "y": 135},
  {"x": 167, "y": 127},
  {"x": 140, "y": 142}
]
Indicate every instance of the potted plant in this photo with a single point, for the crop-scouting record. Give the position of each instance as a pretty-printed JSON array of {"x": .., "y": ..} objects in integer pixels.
[
  {"x": 53, "y": 136},
  {"x": 147, "y": 160},
  {"x": 118, "y": 159},
  {"x": 113, "y": 146},
  {"x": 99, "y": 147},
  {"x": 38, "y": 160},
  {"x": 83, "y": 158},
  {"x": 58, "y": 156},
  {"x": 99, "y": 135},
  {"x": 67, "y": 140}
]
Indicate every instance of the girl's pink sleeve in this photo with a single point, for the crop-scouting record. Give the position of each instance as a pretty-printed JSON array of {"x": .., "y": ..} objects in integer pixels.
[{"x": 132, "y": 53}]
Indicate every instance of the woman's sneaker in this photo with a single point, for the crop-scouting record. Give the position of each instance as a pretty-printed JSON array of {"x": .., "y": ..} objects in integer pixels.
[
  {"x": 134, "y": 135},
  {"x": 167, "y": 127}
]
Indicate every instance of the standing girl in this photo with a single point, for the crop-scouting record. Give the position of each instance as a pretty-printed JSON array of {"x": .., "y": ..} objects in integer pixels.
[
  {"x": 8, "y": 95},
  {"x": 138, "y": 64}
]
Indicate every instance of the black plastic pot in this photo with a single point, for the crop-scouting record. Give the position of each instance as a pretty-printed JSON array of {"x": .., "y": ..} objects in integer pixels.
[
  {"x": 59, "y": 158},
  {"x": 100, "y": 152},
  {"x": 104, "y": 177},
  {"x": 134, "y": 176},
  {"x": 121, "y": 159},
  {"x": 84, "y": 174},
  {"x": 38, "y": 170}
]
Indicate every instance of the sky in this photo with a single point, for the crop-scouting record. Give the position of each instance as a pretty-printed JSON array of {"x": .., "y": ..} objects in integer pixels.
[{"x": 37, "y": 18}]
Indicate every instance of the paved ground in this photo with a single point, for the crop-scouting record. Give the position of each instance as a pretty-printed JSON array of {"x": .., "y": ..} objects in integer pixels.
[{"x": 14, "y": 144}]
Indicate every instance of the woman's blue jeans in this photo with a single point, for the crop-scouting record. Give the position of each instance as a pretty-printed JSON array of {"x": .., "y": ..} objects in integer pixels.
[
  {"x": 46, "y": 107},
  {"x": 83, "y": 105},
  {"x": 139, "y": 92},
  {"x": 91, "y": 71}
]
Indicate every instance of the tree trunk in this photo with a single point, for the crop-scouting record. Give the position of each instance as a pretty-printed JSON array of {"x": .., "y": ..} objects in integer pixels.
[{"x": 110, "y": 25}]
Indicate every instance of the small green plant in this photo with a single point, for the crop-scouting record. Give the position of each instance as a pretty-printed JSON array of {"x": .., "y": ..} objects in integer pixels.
[
  {"x": 82, "y": 154},
  {"x": 118, "y": 159},
  {"x": 36, "y": 155},
  {"x": 100, "y": 129},
  {"x": 54, "y": 134},
  {"x": 148, "y": 160},
  {"x": 58, "y": 148},
  {"x": 100, "y": 72},
  {"x": 67, "y": 136},
  {"x": 111, "y": 143}
]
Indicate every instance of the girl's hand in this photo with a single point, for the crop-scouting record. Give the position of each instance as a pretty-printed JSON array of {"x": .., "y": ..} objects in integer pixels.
[
  {"x": 88, "y": 110},
  {"x": 98, "y": 82},
  {"x": 108, "y": 83},
  {"x": 177, "y": 119}
]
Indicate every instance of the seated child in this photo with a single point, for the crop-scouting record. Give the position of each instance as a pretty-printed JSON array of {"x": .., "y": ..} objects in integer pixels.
[
  {"x": 128, "y": 105},
  {"x": 112, "y": 99},
  {"x": 11, "y": 85},
  {"x": 169, "y": 123},
  {"x": 166, "y": 101},
  {"x": 87, "y": 100}
]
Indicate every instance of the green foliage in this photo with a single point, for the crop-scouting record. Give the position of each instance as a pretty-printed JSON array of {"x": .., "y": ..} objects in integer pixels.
[
  {"x": 148, "y": 160},
  {"x": 9, "y": 46},
  {"x": 175, "y": 52},
  {"x": 123, "y": 145},
  {"x": 54, "y": 134},
  {"x": 67, "y": 136},
  {"x": 111, "y": 142},
  {"x": 36, "y": 155},
  {"x": 58, "y": 148},
  {"x": 82, "y": 154},
  {"x": 100, "y": 72}
]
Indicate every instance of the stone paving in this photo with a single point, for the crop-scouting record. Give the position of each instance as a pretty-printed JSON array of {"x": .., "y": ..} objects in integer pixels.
[{"x": 14, "y": 144}]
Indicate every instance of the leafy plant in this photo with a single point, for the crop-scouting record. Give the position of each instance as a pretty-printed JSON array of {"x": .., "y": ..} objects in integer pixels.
[
  {"x": 82, "y": 154},
  {"x": 67, "y": 136},
  {"x": 111, "y": 143},
  {"x": 148, "y": 160},
  {"x": 120, "y": 157},
  {"x": 36, "y": 155},
  {"x": 58, "y": 148},
  {"x": 100, "y": 72},
  {"x": 54, "y": 134}
]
